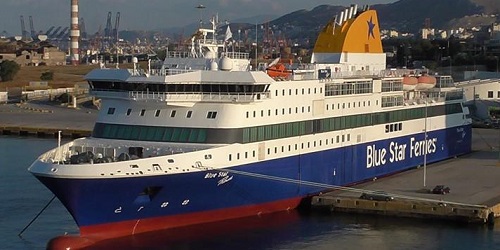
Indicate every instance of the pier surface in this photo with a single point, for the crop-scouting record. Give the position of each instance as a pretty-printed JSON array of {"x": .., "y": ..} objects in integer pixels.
[
  {"x": 472, "y": 178},
  {"x": 45, "y": 119}
]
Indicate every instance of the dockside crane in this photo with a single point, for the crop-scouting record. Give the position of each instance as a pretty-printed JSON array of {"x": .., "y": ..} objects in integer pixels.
[
  {"x": 50, "y": 30},
  {"x": 109, "y": 28},
  {"x": 117, "y": 25},
  {"x": 63, "y": 33},
  {"x": 32, "y": 28},
  {"x": 83, "y": 30},
  {"x": 24, "y": 33},
  {"x": 55, "y": 32}
]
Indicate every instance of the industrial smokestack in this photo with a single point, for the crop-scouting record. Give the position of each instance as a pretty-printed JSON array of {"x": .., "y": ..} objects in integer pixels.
[{"x": 74, "y": 34}]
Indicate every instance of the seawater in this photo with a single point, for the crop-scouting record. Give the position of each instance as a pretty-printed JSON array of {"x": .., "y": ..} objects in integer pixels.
[{"x": 22, "y": 197}]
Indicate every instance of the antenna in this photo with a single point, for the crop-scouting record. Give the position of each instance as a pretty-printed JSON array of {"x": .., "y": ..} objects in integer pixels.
[
  {"x": 256, "y": 44},
  {"x": 117, "y": 24},
  {"x": 200, "y": 7}
]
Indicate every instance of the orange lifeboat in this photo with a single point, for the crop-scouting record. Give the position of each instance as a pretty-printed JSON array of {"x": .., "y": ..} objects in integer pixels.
[
  {"x": 277, "y": 69},
  {"x": 409, "y": 83},
  {"x": 426, "y": 82}
]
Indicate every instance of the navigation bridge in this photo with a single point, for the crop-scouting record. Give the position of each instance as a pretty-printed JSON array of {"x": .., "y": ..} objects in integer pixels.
[{"x": 189, "y": 86}]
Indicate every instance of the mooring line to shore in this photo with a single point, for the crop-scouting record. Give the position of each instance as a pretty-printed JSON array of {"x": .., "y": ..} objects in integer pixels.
[
  {"x": 36, "y": 217},
  {"x": 328, "y": 186}
]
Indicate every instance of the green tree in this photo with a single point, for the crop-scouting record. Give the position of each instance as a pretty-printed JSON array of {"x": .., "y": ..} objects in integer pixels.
[
  {"x": 47, "y": 76},
  {"x": 8, "y": 69}
]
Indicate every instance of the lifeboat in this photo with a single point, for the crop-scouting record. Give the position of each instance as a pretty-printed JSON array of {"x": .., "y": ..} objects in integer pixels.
[
  {"x": 277, "y": 69},
  {"x": 426, "y": 82},
  {"x": 409, "y": 83}
]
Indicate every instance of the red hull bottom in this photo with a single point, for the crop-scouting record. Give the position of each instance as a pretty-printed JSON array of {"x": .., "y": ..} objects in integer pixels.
[{"x": 91, "y": 234}]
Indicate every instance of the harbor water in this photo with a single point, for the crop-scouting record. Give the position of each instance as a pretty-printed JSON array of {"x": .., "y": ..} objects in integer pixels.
[{"x": 23, "y": 197}]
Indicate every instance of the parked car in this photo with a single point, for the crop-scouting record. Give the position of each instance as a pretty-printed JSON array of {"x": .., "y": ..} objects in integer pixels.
[
  {"x": 377, "y": 196},
  {"x": 441, "y": 189}
]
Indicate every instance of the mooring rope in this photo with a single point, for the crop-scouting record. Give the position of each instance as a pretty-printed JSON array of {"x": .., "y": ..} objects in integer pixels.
[{"x": 36, "y": 217}]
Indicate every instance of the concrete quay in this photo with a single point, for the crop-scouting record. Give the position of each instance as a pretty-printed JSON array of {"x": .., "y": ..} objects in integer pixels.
[
  {"x": 472, "y": 178},
  {"x": 44, "y": 119}
]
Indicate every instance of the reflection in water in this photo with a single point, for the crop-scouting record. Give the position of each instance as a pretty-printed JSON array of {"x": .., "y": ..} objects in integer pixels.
[
  {"x": 292, "y": 230},
  {"x": 230, "y": 234}
]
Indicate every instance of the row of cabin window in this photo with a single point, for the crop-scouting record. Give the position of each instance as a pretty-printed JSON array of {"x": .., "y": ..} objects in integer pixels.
[
  {"x": 490, "y": 94},
  {"x": 345, "y": 138},
  {"x": 276, "y": 111},
  {"x": 392, "y": 85},
  {"x": 147, "y": 133},
  {"x": 238, "y": 155},
  {"x": 389, "y": 128},
  {"x": 284, "y": 130},
  {"x": 189, "y": 113},
  {"x": 348, "y": 88},
  {"x": 283, "y": 91},
  {"x": 349, "y": 105},
  {"x": 303, "y": 109}
]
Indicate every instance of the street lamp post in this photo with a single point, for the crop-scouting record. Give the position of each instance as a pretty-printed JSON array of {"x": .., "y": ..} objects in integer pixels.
[
  {"x": 239, "y": 39},
  {"x": 425, "y": 149}
]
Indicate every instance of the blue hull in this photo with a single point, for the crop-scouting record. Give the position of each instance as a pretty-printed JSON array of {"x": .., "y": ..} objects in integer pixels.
[{"x": 103, "y": 201}]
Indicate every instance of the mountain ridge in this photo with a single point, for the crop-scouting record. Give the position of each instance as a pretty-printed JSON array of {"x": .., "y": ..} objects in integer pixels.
[{"x": 407, "y": 16}]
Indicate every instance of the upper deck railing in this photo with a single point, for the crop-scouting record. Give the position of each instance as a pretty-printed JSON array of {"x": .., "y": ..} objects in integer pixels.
[
  {"x": 183, "y": 96},
  {"x": 198, "y": 97},
  {"x": 187, "y": 54}
]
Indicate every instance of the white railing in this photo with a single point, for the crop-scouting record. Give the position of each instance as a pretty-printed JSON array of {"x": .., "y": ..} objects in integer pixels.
[
  {"x": 110, "y": 94},
  {"x": 237, "y": 55},
  {"x": 59, "y": 154},
  {"x": 160, "y": 72},
  {"x": 197, "y": 97},
  {"x": 178, "y": 54},
  {"x": 44, "y": 93},
  {"x": 186, "y": 54}
]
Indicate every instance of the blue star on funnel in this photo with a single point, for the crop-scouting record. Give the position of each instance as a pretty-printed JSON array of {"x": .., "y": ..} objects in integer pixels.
[{"x": 371, "y": 26}]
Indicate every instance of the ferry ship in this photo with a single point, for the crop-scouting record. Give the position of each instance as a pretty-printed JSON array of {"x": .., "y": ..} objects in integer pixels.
[{"x": 205, "y": 137}]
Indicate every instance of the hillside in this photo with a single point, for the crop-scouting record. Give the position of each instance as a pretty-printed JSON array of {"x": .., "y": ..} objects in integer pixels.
[
  {"x": 64, "y": 76},
  {"x": 488, "y": 6},
  {"x": 403, "y": 15},
  {"x": 410, "y": 15}
]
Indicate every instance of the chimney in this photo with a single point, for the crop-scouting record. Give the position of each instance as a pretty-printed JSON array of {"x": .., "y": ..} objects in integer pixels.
[{"x": 74, "y": 34}]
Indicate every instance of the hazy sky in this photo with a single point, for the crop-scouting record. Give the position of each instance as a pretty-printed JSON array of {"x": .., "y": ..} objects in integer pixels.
[{"x": 146, "y": 14}]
